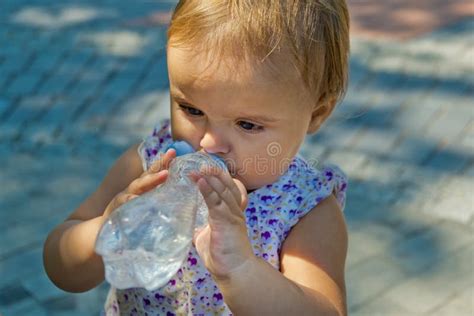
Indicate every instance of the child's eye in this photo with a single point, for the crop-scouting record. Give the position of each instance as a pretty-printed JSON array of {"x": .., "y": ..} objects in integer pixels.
[
  {"x": 190, "y": 110},
  {"x": 250, "y": 126}
]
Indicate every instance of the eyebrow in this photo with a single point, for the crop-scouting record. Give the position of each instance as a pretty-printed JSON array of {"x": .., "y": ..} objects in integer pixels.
[{"x": 261, "y": 118}]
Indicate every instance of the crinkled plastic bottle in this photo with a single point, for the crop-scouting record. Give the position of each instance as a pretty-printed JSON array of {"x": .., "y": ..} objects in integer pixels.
[{"x": 145, "y": 241}]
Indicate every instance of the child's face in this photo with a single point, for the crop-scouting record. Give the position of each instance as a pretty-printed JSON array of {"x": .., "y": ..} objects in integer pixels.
[{"x": 255, "y": 123}]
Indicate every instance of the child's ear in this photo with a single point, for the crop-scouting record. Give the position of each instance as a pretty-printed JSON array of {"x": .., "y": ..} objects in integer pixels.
[{"x": 320, "y": 113}]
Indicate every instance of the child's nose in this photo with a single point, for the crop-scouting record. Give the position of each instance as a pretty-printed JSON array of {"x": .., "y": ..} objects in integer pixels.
[{"x": 214, "y": 142}]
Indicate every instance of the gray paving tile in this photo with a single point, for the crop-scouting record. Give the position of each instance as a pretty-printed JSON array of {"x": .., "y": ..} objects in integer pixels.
[
  {"x": 27, "y": 307},
  {"x": 430, "y": 289},
  {"x": 460, "y": 304}
]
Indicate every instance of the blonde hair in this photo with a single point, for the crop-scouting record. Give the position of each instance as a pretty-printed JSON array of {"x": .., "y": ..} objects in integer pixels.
[{"x": 315, "y": 33}]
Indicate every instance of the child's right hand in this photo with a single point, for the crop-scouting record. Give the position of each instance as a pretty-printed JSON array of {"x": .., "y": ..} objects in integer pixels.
[{"x": 148, "y": 180}]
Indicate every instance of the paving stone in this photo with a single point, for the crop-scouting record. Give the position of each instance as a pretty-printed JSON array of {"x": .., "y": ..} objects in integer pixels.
[
  {"x": 9, "y": 267},
  {"x": 45, "y": 63},
  {"x": 55, "y": 84},
  {"x": 375, "y": 142},
  {"x": 450, "y": 124},
  {"x": 41, "y": 287},
  {"x": 368, "y": 279},
  {"x": 415, "y": 118},
  {"x": 461, "y": 304},
  {"x": 454, "y": 200},
  {"x": 13, "y": 293},
  {"x": 424, "y": 250},
  {"x": 24, "y": 84},
  {"x": 132, "y": 112},
  {"x": 120, "y": 85},
  {"x": 16, "y": 238},
  {"x": 448, "y": 160},
  {"x": 336, "y": 136},
  {"x": 26, "y": 307},
  {"x": 430, "y": 288},
  {"x": 413, "y": 150},
  {"x": 381, "y": 307},
  {"x": 28, "y": 108},
  {"x": 369, "y": 240},
  {"x": 16, "y": 61}
]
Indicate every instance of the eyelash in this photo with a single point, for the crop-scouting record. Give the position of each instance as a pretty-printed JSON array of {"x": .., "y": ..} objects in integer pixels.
[{"x": 186, "y": 109}]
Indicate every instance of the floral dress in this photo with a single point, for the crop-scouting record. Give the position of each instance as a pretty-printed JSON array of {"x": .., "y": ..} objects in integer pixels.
[{"x": 271, "y": 212}]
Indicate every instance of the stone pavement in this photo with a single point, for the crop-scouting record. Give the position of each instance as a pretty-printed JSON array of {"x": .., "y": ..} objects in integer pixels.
[{"x": 80, "y": 81}]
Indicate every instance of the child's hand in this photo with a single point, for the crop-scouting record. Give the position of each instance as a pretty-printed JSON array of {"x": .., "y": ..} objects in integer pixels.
[
  {"x": 154, "y": 176},
  {"x": 223, "y": 244}
]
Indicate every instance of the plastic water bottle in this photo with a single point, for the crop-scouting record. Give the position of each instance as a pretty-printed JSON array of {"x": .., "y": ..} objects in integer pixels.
[{"x": 144, "y": 242}]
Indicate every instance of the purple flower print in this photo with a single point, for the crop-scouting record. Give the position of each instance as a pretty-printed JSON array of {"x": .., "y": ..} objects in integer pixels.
[
  {"x": 299, "y": 199},
  {"x": 329, "y": 175},
  {"x": 250, "y": 210},
  {"x": 159, "y": 297},
  {"x": 265, "y": 198},
  {"x": 192, "y": 261},
  {"x": 170, "y": 314},
  {"x": 253, "y": 220},
  {"x": 288, "y": 186},
  {"x": 200, "y": 282},
  {"x": 146, "y": 302},
  {"x": 273, "y": 222},
  {"x": 217, "y": 297},
  {"x": 172, "y": 282},
  {"x": 266, "y": 235}
]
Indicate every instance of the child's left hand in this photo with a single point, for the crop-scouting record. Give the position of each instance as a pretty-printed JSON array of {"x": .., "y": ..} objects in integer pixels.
[{"x": 223, "y": 244}]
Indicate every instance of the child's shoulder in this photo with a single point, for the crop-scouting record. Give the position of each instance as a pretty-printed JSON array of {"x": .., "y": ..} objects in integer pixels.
[
  {"x": 302, "y": 188},
  {"x": 316, "y": 181}
]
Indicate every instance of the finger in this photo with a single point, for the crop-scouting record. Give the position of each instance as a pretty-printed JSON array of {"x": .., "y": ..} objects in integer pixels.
[
  {"x": 225, "y": 193},
  {"x": 226, "y": 179},
  {"x": 218, "y": 208},
  {"x": 211, "y": 197},
  {"x": 163, "y": 162},
  {"x": 197, "y": 232},
  {"x": 147, "y": 182}
]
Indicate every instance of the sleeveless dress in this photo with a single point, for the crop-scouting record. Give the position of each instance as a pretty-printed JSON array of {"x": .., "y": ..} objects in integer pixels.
[{"x": 271, "y": 212}]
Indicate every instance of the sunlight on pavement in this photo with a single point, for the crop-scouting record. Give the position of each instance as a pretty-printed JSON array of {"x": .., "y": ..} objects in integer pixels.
[
  {"x": 47, "y": 18},
  {"x": 118, "y": 43}
]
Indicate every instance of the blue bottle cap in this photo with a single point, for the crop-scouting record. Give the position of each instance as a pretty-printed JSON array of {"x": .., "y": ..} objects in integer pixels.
[{"x": 181, "y": 148}]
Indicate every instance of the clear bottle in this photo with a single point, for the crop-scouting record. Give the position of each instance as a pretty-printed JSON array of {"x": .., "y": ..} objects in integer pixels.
[{"x": 145, "y": 241}]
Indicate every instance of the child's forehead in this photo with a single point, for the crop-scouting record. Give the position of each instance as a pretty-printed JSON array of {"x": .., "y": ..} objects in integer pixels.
[{"x": 189, "y": 67}]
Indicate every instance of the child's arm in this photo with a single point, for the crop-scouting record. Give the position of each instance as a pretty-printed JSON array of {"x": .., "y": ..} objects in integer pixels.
[
  {"x": 311, "y": 281},
  {"x": 313, "y": 256},
  {"x": 68, "y": 255}
]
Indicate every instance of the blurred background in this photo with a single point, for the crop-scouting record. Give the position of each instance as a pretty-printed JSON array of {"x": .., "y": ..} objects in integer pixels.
[{"x": 82, "y": 80}]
